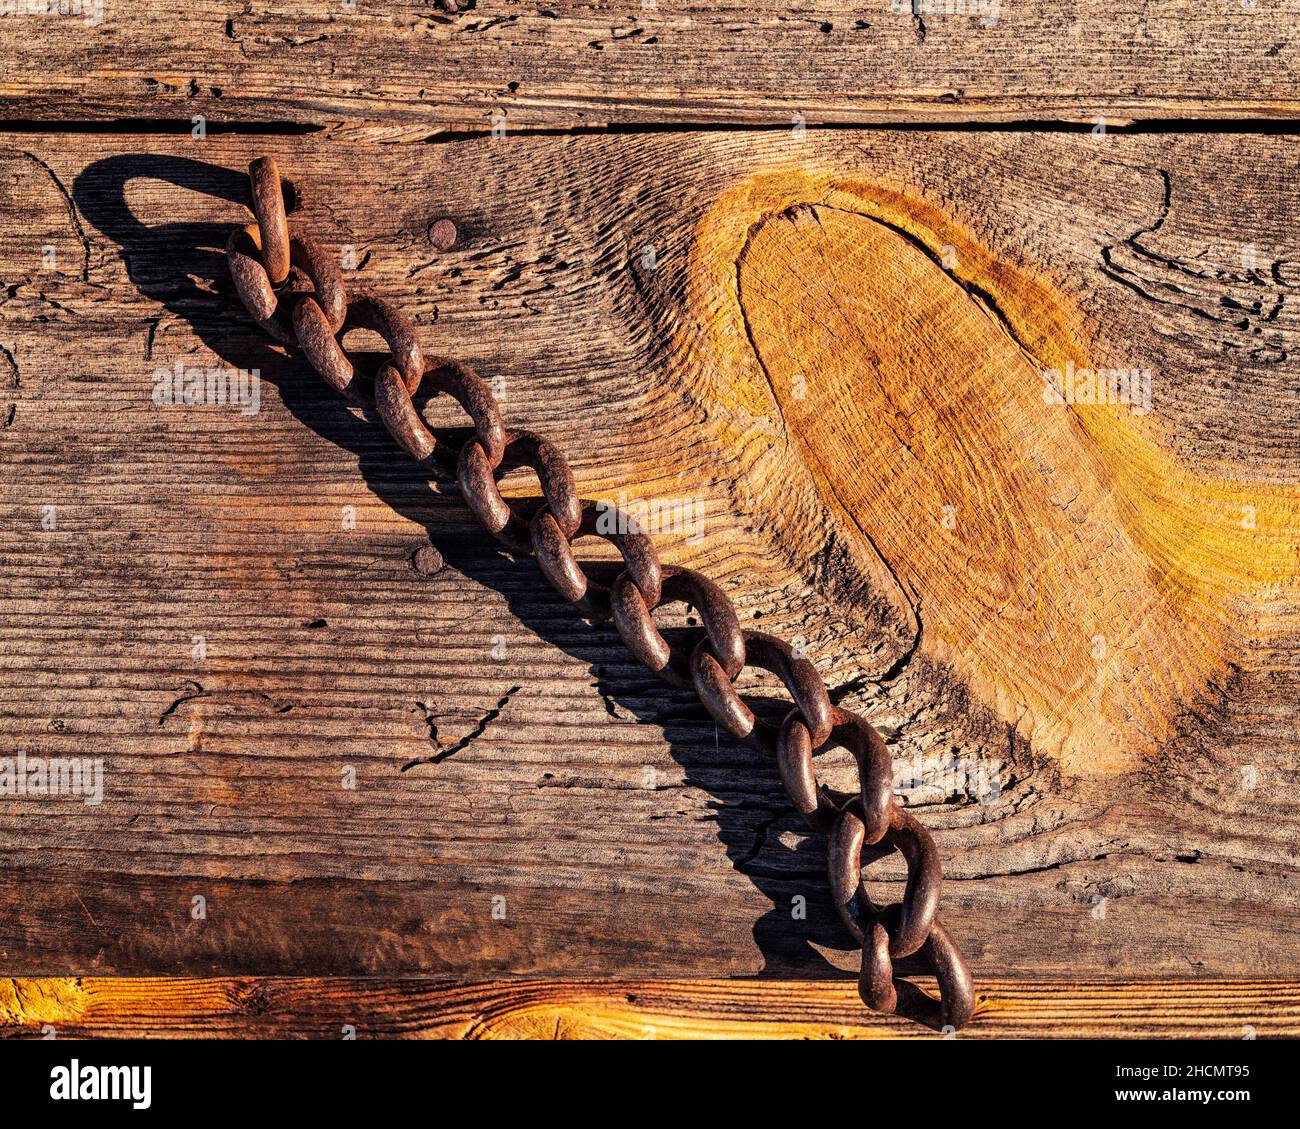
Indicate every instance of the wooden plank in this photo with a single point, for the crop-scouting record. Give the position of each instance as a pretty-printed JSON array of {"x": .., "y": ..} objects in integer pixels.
[
  {"x": 1143, "y": 822},
  {"x": 283, "y": 1008},
  {"x": 419, "y": 70}
]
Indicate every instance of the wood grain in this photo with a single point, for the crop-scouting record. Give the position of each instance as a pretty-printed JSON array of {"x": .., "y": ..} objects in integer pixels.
[
  {"x": 504, "y": 750},
  {"x": 99, "y": 1007},
  {"x": 1067, "y": 545},
  {"x": 414, "y": 70}
]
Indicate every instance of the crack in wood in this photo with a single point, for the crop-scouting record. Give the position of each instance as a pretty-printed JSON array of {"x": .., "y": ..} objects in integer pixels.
[{"x": 479, "y": 729}]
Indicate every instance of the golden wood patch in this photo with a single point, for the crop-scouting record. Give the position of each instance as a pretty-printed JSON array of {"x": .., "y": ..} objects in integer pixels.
[{"x": 890, "y": 382}]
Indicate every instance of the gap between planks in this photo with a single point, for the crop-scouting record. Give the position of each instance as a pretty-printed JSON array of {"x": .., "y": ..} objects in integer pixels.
[{"x": 384, "y": 133}]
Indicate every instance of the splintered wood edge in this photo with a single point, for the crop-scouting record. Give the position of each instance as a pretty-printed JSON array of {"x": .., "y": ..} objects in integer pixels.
[{"x": 334, "y": 1008}]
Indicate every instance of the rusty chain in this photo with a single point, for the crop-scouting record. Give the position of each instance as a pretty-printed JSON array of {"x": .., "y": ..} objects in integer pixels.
[{"x": 270, "y": 266}]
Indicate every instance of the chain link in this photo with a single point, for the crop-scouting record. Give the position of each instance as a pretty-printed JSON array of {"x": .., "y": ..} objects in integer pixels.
[{"x": 296, "y": 293}]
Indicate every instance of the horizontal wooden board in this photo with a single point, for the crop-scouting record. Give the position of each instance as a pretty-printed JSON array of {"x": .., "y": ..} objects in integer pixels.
[
  {"x": 159, "y": 1008},
  {"x": 416, "y": 69},
  {"x": 501, "y": 748}
]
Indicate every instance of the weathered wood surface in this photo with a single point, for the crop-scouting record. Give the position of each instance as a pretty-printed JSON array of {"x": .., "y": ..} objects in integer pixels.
[
  {"x": 223, "y": 1007},
  {"x": 1145, "y": 821},
  {"x": 421, "y": 71}
]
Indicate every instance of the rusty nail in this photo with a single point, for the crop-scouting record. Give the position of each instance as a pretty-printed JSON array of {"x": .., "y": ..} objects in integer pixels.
[
  {"x": 427, "y": 560},
  {"x": 442, "y": 234}
]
